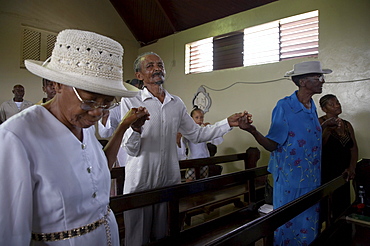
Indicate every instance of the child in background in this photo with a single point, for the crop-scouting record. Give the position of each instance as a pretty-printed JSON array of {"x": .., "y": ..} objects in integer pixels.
[{"x": 199, "y": 150}]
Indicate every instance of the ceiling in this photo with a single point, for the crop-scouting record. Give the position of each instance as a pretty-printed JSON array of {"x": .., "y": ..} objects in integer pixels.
[{"x": 150, "y": 20}]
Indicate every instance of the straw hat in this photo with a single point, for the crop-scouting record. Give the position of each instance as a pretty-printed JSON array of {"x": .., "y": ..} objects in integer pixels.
[
  {"x": 306, "y": 68},
  {"x": 87, "y": 61}
]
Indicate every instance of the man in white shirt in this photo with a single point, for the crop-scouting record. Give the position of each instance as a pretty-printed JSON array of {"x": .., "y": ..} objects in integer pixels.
[
  {"x": 152, "y": 150},
  {"x": 14, "y": 106}
]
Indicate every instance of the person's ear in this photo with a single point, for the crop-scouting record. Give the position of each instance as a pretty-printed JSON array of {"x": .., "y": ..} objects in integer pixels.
[
  {"x": 138, "y": 75},
  {"x": 302, "y": 82},
  {"x": 324, "y": 109}
]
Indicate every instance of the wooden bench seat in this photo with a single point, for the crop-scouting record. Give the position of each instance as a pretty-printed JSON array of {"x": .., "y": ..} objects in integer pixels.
[
  {"x": 210, "y": 200},
  {"x": 242, "y": 227},
  {"x": 246, "y": 226},
  {"x": 209, "y": 231},
  {"x": 200, "y": 196},
  {"x": 206, "y": 199},
  {"x": 203, "y": 202},
  {"x": 207, "y": 202}
]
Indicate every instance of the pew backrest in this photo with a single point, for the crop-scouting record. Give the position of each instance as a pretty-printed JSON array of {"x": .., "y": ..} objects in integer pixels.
[{"x": 173, "y": 194}]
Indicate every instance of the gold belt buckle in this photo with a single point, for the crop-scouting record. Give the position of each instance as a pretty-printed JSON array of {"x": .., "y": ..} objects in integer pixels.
[{"x": 76, "y": 232}]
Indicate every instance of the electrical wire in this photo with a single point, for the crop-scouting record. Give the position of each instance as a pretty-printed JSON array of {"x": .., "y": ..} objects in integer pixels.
[{"x": 275, "y": 80}]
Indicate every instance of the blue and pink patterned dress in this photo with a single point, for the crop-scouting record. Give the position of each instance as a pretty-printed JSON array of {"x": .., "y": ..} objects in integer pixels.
[{"x": 295, "y": 166}]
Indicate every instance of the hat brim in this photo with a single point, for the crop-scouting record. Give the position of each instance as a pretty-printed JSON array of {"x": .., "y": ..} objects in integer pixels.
[
  {"x": 81, "y": 81},
  {"x": 291, "y": 73}
]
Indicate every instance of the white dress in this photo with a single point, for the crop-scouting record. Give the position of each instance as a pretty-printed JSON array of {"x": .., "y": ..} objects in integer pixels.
[
  {"x": 196, "y": 151},
  {"x": 51, "y": 182},
  {"x": 200, "y": 150}
]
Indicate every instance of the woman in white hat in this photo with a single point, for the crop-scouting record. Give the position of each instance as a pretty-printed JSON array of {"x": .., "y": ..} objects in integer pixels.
[
  {"x": 54, "y": 175},
  {"x": 294, "y": 140}
]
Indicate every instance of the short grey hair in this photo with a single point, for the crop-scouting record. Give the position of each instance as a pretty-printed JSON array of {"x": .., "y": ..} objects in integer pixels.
[{"x": 139, "y": 60}]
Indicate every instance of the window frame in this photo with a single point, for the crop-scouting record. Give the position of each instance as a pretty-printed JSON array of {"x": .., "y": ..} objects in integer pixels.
[{"x": 292, "y": 37}]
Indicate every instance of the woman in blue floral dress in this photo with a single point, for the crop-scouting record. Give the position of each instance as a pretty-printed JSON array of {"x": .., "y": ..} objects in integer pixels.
[{"x": 294, "y": 140}]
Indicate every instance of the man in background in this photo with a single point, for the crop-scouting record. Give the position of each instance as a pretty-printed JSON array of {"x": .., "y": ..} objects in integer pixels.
[
  {"x": 49, "y": 89},
  {"x": 15, "y": 105}
]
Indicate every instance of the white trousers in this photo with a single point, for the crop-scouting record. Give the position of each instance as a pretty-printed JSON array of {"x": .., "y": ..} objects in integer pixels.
[{"x": 146, "y": 224}]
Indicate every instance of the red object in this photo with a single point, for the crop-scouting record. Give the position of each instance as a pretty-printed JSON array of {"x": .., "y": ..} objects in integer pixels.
[{"x": 361, "y": 205}]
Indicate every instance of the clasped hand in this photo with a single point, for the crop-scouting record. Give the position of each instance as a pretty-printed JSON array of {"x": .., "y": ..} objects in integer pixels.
[
  {"x": 240, "y": 118},
  {"x": 333, "y": 122},
  {"x": 245, "y": 123},
  {"x": 136, "y": 117}
]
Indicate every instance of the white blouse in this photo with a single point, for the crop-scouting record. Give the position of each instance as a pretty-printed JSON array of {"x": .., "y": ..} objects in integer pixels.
[
  {"x": 200, "y": 150},
  {"x": 50, "y": 181}
]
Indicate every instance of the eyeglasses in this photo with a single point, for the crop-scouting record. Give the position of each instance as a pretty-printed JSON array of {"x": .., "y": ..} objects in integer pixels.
[
  {"x": 321, "y": 78},
  {"x": 91, "y": 104}
]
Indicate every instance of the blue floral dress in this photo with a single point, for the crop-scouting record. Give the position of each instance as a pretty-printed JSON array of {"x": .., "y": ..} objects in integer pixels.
[{"x": 295, "y": 166}]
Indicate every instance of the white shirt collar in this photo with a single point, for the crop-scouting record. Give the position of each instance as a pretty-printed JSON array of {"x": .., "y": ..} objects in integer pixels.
[{"x": 146, "y": 94}]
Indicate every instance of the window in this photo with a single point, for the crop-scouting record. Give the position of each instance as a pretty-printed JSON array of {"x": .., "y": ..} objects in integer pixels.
[
  {"x": 299, "y": 35},
  {"x": 199, "y": 56},
  {"x": 228, "y": 51},
  {"x": 261, "y": 44},
  {"x": 37, "y": 44},
  {"x": 288, "y": 38}
]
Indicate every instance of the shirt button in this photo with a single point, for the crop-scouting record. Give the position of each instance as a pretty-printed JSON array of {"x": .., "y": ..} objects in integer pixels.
[
  {"x": 89, "y": 169},
  {"x": 83, "y": 146},
  {"x": 94, "y": 195}
]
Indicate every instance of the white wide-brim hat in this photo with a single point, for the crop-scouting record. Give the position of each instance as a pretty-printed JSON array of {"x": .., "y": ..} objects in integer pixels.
[
  {"x": 306, "y": 68},
  {"x": 87, "y": 61}
]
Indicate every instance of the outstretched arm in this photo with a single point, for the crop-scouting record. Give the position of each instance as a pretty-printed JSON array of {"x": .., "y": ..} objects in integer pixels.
[
  {"x": 136, "y": 116},
  {"x": 245, "y": 123},
  {"x": 233, "y": 119}
]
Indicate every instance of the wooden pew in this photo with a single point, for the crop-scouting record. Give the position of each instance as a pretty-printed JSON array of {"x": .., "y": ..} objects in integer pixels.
[
  {"x": 118, "y": 175},
  {"x": 206, "y": 202},
  {"x": 250, "y": 158},
  {"x": 243, "y": 227},
  {"x": 338, "y": 231},
  {"x": 178, "y": 195},
  {"x": 267, "y": 224}
]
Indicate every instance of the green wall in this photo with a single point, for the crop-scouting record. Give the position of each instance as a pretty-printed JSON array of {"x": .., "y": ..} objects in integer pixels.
[{"x": 344, "y": 48}]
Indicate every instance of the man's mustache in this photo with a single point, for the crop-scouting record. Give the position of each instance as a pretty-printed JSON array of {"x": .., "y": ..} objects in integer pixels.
[{"x": 158, "y": 74}]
